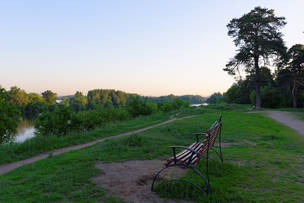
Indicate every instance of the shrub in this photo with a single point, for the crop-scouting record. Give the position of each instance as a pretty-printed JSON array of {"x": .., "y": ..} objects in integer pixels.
[{"x": 57, "y": 122}]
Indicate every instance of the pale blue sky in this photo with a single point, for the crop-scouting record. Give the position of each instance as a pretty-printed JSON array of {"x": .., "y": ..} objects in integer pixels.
[{"x": 150, "y": 47}]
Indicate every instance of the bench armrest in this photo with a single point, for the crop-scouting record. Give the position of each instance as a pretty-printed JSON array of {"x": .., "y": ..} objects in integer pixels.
[
  {"x": 197, "y": 134},
  {"x": 186, "y": 148}
]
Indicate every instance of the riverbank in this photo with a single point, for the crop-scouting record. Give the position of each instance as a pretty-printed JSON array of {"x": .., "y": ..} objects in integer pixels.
[{"x": 18, "y": 151}]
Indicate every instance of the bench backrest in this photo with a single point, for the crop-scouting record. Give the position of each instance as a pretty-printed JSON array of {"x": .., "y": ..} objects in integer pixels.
[{"x": 211, "y": 135}]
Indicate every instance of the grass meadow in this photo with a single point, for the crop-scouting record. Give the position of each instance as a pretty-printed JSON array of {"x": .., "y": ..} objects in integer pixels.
[{"x": 263, "y": 161}]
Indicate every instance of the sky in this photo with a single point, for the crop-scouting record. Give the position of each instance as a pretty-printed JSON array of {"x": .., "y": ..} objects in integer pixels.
[{"x": 149, "y": 47}]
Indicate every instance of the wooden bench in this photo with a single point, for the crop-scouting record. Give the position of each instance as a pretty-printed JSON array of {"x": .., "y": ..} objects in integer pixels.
[{"x": 191, "y": 155}]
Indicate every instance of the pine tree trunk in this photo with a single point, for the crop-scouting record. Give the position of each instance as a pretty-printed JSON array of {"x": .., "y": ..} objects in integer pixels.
[
  {"x": 294, "y": 96},
  {"x": 258, "y": 102}
]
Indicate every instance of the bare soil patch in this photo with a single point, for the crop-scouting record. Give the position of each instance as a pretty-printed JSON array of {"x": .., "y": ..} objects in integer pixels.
[{"x": 131, "y": 180}]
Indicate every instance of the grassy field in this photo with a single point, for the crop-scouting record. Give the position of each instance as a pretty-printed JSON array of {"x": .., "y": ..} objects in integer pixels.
[{"x": 263, "y": 161}]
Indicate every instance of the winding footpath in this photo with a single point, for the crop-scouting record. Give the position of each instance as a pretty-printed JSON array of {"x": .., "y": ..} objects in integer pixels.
[
  {"x": 287, "y": 119},
  {"x": 5, "y": 168}
]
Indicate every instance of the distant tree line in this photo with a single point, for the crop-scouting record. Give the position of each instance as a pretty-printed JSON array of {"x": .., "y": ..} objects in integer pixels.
[
  {"x": 63, "y": 119},
  {"x": 192, "y": 99}
]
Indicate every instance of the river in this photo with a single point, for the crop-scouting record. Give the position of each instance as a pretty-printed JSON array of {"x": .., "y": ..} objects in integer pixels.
[
  {"x": 203, "y": 104},
  {"x": 25, "y": 130}
]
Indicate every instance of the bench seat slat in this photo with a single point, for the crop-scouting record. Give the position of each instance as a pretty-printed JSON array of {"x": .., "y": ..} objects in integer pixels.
[
  {"x": 185, "y": 151},
  {"x": 186, "y": 154},
  {"x": 194, "y": 155}
]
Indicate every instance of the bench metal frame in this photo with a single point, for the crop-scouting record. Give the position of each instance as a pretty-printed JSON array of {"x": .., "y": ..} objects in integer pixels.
[{"x": 187, "y": 164}]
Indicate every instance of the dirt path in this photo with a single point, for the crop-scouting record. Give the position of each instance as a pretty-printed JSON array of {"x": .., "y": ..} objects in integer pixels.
[
  {"x": 5, "y": 168},
  {"x": 287, "y": 119}
]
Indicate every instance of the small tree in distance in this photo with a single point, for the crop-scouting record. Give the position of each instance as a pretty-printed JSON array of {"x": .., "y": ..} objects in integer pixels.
[
  {"x": 49, "y": 97},
  {"x": 257, "y": 36}
]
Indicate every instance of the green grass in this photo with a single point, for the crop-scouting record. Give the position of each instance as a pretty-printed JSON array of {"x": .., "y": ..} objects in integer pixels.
[
  {"x": 265, "y": 163},
  {"x": 39, "y": 144}
]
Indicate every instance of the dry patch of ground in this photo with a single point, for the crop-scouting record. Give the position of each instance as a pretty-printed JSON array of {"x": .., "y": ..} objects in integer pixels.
[{"x": 131, "y": 180}]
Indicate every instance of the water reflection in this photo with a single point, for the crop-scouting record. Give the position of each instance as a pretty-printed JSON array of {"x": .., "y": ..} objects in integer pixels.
[
  {"x": 203, "y": 104},
  {"x": 25, "y": 131}
]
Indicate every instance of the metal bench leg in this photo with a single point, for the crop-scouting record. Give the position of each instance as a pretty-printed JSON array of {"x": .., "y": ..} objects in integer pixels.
[
  {"x": 181, "y": 180},
  {"x": 220, "y": 144},
  {"x": 218, "y": 154}
]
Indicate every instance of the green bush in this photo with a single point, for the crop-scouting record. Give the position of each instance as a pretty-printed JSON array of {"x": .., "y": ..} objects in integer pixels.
[
  {"x": 137, "y": 107},
  {"x": 9, "y": 116},
  {"x": 57, "y": 122}
]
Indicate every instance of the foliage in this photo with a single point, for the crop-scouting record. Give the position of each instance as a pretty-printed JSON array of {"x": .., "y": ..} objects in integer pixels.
[
  {"x": 275, "y": 90},
  {"x": 105, "y": 97},
  {"x": 257, "y": 36},
  {"x": 57, "y": 122},
  {"x": 10, "y": 116},
  {"x": 138, "y": 106},
  {"x": 78, "y": 102},
  {"x": 61, "y": 120},
  {"x": 32, "y": 110},
  {"x": 49, "y": 97},
  {"x": 17, "y": 96},
  {"x": 177, "y": 103},
  {"x": 34, "y": 98},
  {"x": 192, "y": 99},
  {"x": 295, "y": 69},
  {"x": 65, "y": 101},
  {"x": 215, "y": 98},
  {"x": 271, "y": 97}
]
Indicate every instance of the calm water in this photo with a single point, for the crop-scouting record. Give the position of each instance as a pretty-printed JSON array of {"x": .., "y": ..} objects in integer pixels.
[
  {"x": 203, "y": 104},
  {"x": 25, "y": 131}
]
